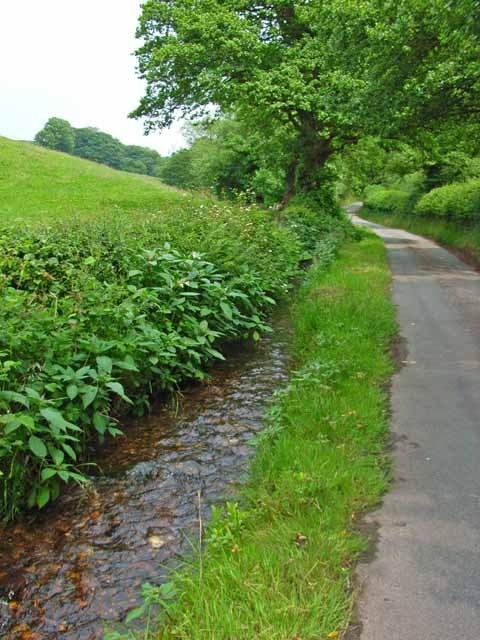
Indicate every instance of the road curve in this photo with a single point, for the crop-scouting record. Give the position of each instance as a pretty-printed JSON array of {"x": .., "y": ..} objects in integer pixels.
[{"x": 424, "y": 581}]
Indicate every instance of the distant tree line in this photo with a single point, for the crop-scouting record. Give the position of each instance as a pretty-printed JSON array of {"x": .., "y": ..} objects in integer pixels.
[
  {"x": 224, "y": 156},
  {"x": 92, "y": 144}
]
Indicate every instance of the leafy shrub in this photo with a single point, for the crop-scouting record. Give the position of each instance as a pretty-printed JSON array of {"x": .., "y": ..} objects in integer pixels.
[
  {"x": 399, "y": 198},
  {"x": 308, "y": 223},
  {"x": 454, "y": 201},
  {"x": 386, "y": 200},
  {"x": 97, "y": 316},
  {"x": 453, "y": 167}
]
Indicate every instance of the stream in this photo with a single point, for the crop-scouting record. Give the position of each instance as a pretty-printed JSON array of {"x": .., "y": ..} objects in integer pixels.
[{"x": 80, "y": 565}]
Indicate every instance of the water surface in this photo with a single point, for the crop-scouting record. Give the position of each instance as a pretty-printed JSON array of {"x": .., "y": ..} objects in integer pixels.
[{"x": 84, "y": 560}]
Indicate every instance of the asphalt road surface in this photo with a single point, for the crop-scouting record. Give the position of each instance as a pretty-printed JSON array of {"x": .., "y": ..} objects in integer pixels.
[{"x": 424, "y": 580}]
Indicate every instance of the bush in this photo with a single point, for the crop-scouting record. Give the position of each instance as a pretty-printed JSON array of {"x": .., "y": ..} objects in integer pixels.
[
  {"x": 97, "y": 316},
  {"x": 387, "y": 200},
  {"x": 454, "y": 201},
  {"x": 309, "y": 223},
  {"x": 399, "y": 198}
]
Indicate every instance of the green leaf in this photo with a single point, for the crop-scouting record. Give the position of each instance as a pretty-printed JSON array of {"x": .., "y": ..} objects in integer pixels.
[
  {"x": 48, "y": 473},
  {"x": 69, "y": 451},
  {"x": 168, "y": 590},
  {"x": 100, "y": 422},
  {"x": 57, "y": 455},
  {"x": 12, "y": 396},
  {"x": 215, "y": 353},
  {"x": 27, "y": 421},
  {"x": 113, "y": 431},
  {"x": 43, "y": 496},
  {"x": 54, "y": 418},
  {"x": 37, "y": 447},
  {"x": 127, "y": 365},
  {"x": 135, "y": 613},
  {"x": 32, "y": 393},
  {"x": 72, "y": 391},
  {"x": 117, "y": 388},
  {"x": 12, "y": 426},
  {"x": 89, "y": 395},
  {"x": 227, "y": 310},
  {"x": 104, "y": 364}
]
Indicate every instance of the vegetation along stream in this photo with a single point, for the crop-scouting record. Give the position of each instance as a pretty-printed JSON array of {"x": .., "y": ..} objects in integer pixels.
[{"x": 84, "y": 560}]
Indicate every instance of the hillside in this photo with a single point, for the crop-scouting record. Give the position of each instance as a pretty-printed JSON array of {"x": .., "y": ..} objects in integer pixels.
[{"x": 39, "y": 184}]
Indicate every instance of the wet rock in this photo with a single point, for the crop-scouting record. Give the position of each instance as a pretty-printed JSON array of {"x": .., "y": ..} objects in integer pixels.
[
  {"x": 143, "y": 471},
  {"x": 5, "y": 617},
  {"x": 187, "y": 468}
]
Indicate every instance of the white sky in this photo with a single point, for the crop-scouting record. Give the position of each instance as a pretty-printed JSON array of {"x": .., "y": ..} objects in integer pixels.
[{"x": 72, "y": 59}]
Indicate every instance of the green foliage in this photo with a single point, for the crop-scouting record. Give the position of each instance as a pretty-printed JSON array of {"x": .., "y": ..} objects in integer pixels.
[
  {"x": 92, "y": 144},
  {"x": 422, "y": 65},
  {"x": 299, "y": 77},
  {"x": 460, "y": 202},
  {"x": 374, "y": 161},
  {"x": 226, "y": 525},
  {"x": 93, "y": 319},
  {"x": 100, "y": 311},
  {"x": 260, "y": 60},
  {"x": 309, "y": 222},
  {"x": 450, "y": 167},
  {"x": 228, "y": 157},
  {"x": 399, "y": 198},
  {"x": 387, "y": 200},
  {"x": 57, "y": 134},
  {"x": 177, "y": 170}
]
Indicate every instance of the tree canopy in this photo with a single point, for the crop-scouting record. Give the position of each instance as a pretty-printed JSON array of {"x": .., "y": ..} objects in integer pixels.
[
  {"x": 57, "y": 134},
  {"x": 92, "y": 144},
  {"x": 314, "y": 74}
]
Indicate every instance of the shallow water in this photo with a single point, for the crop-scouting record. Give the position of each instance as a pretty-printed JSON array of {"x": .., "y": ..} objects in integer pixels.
[{"x": 84, "y": 560}]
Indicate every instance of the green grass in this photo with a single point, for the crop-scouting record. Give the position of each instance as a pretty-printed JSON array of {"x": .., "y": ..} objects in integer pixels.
[
  {"x": 41, "y": 185},
  {"x": 278, "y": 565},
  {"x": 464, "y": 237}
]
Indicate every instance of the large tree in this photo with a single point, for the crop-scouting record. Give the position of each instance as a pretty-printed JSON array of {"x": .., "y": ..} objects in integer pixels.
[
  {"x": 57, "y": 134},
  {"x": 315, "y": 73}
]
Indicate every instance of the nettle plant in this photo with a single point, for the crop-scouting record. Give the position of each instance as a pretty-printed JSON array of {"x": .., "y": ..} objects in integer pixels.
[{"x": 94, "y": 320}]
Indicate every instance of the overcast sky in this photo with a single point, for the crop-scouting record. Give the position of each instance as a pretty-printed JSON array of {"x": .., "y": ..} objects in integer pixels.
[{"x": 72, "y": 59}]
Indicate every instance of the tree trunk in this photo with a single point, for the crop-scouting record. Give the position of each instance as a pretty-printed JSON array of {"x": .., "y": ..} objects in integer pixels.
[{"x": 290, "y": 182}]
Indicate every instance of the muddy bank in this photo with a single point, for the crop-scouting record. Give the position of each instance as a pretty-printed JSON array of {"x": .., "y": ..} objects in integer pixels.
[{"x": 84, "y": 560}]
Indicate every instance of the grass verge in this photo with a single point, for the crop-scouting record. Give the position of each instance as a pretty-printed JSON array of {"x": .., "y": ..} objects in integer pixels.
[
  {"x": 278, "y": 564},
  {"x": 464, "y": 238}
]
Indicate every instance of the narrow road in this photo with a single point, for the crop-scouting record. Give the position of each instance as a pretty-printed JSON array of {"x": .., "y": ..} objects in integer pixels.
[{"x": 424, "y": 581}]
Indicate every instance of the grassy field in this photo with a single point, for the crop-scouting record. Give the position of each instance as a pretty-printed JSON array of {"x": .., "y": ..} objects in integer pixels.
[
  {"x": 39, "y": 185},
  {"x": 465, "y": 238},
  {"x": 278, "y": 563}
]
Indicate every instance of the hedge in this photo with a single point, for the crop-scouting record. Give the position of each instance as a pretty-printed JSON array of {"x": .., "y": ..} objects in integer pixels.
[{"x": 460, "y": 201}]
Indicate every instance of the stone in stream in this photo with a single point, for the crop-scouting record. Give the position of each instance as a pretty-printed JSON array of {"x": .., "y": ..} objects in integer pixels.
[{"x": 5, "y": 617}]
